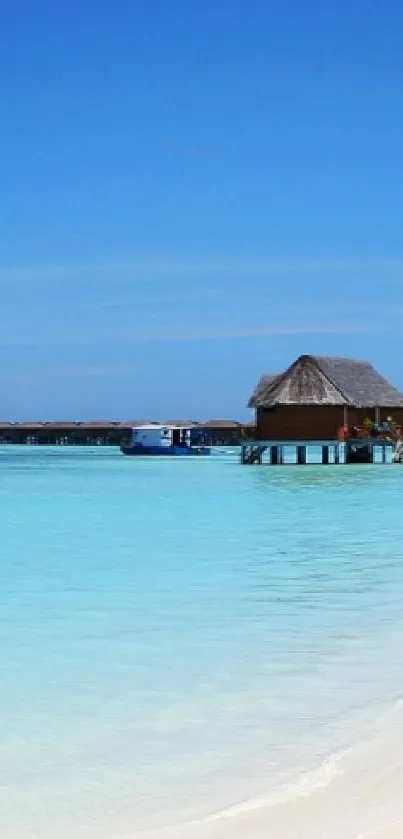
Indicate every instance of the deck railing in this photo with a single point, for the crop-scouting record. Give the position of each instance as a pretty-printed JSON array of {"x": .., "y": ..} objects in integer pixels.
[{"x": 383, "y": 432}]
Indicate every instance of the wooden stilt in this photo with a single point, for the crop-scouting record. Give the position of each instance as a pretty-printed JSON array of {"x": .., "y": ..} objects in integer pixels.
[{"x": 301, "y": 455}]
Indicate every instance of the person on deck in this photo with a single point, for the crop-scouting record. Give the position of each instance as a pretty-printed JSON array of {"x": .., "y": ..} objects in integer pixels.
[{"x": 368, "y": 426}]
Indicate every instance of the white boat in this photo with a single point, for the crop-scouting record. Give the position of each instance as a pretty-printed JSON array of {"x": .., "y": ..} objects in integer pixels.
[{"x": 166, "y": 440}]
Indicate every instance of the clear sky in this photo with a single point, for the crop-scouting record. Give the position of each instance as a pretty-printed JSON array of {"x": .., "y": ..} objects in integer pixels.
[{"x": 194, "y": 192}]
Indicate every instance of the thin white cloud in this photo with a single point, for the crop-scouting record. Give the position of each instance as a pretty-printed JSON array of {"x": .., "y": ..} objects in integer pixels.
[
  {"x": 217, "y": 332},
  {"x": 182, "y": 267}
]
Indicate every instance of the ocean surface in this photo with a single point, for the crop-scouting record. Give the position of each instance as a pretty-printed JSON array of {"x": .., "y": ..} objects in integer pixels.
[{"x": 184, "y": 639}]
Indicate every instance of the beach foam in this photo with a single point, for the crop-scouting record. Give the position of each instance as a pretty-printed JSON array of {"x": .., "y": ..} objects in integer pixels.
[{"x": 353, "y": 795}]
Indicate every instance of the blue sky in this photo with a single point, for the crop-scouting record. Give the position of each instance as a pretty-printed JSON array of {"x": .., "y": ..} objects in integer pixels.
[{"x": 194, "y": 193}]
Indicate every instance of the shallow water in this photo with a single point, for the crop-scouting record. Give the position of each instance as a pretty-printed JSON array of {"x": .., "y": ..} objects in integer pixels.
[{"x": 178, "y": 636}]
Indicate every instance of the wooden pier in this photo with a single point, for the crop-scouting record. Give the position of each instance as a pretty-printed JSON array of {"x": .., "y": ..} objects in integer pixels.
[{"x": 320, "y": 452}]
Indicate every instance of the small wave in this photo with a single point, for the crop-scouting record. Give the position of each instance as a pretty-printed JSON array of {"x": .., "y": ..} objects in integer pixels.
[{"x": 305, "y": 785}]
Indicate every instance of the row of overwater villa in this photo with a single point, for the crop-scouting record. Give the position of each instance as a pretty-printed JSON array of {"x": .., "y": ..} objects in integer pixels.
[{"x": 214, "y": 432}]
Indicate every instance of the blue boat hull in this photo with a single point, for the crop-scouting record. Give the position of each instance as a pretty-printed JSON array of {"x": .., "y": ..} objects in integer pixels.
[{"x": 165, "y": 451}]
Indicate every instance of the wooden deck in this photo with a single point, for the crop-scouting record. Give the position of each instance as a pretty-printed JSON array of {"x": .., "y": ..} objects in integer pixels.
[{"x": 317, "y": 452}]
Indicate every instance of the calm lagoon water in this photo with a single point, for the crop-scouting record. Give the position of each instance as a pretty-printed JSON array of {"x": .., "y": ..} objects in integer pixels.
[{"x": 178, "y": 636}]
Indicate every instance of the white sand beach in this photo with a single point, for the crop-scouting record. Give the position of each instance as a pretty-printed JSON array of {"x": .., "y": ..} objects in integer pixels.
[{"x": 358, "y": 795}]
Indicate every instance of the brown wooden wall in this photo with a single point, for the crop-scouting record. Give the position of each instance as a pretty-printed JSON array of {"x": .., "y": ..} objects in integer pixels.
[{"x": 313, "y": 422}]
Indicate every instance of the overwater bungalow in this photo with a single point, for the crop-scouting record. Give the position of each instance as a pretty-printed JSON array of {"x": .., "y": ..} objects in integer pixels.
[
  {"x": 325, "y": 410},
  {"x": 222, "y": 432}
]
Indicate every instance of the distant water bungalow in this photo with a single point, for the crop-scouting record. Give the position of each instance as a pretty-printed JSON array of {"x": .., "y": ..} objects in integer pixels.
[
  {"x": 216, "y": 432},
  {"x": 325, "y": 410},
  {"x": 63, "y": 433}
]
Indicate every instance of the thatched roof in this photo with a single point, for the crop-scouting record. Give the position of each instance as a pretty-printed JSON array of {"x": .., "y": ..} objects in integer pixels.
[
  {"x": 95, "y": 423},
  {"x": 221, "y": 423},
  {"x": 29, "y": 424},
  {"x": 180, "y": 423},
  {"x": 321, "y": 380},
  {"x": 65, "y": 425},
  {"x": 137, "y": 422},
  {"x": 266, "y": 381}
]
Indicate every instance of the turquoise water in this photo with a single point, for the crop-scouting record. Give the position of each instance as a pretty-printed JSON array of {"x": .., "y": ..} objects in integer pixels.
[{"x": 178, "y": 636}]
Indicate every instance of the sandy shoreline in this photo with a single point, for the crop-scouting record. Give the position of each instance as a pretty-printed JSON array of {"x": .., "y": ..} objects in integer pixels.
[{"x": 359, "y": 795}]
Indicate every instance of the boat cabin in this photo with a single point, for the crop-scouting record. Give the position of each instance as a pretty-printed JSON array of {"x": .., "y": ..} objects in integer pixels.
[
  {"x": 161, "y": 436},
  {"x": 158, "y": 439}
]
